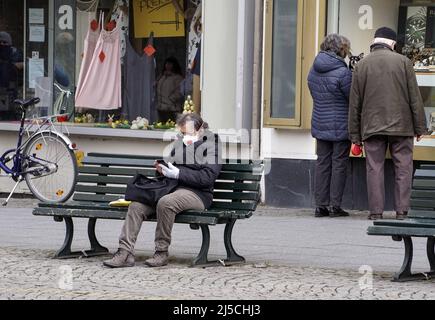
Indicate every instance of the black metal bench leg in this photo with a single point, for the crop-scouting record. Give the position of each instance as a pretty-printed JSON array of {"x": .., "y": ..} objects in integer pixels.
[
  {"x": 65, "y": 251},
  {"x": 96, "y": 248},
  {"x": 431, "y": 253},
  {"x": 202, "y": 258},
  {"x": 232, "y": 256},
  {"x": 405, "y": 273}
]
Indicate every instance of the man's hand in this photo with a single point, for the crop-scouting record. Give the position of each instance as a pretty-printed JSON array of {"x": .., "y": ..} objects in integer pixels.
[
  {"x": 419, "y": 138},
  {"x": 172, "y": 172}
]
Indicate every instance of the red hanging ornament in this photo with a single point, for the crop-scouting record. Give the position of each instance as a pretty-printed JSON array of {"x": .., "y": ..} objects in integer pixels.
[
  {"x": 94, "y": 25},
  {"x": 149, "y": 50},
  {"x": 111, "y": 25},
  {"x": 102, "y": 56}
]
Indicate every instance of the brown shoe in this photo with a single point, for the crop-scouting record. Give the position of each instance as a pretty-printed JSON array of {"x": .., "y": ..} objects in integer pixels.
[
  {"x": 160, "y": 259},
  {"x": 401, "y": 215},
  {"x": 121, "y": 259},
  {"x": 375, "y": 217}
]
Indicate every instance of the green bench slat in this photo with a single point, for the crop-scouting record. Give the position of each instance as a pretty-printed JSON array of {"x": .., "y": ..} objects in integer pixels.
[
  {"x": 396, "y": 231},
  {"x": 255, "y": 186},
  {"x": 124, "y": 180},
  {"x": 414, "y": 213},
  {"x": 427, "y": 174},
  {"x": 103, "y": 179},
  {"x": 423, "y": 194},
  {"x": 235, "y": 195},
  {"x": 149, "y": 162},
  {"x": 427, "y": 167},
  {"x": 234, "y": 206},
  {"x": 121, "y": 191},
  {"x": 94, "y": 197},
  {"x": 120, "y": 215},
  {"x": 118, "y": 162},
  {"x": 423, "y": 203},
  {"x": 408, "y": 223},
  {"x": 424, "y": 184},
  {"x": 101, "y": 189},
  {"x": 116, "y": 171},
  {"x": 151, "y": 172}
]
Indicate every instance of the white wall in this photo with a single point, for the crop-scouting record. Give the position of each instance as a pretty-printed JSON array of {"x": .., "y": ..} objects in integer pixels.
[
  {"x": 288, "y": 144},
  {"x": 219, "y": 63},
  {"x": 359, "y": 30}
]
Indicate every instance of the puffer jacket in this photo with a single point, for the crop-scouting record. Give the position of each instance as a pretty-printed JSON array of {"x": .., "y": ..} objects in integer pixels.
[
  {"x": 200, "y": 165},
  {"x": 330, "y": 81}
]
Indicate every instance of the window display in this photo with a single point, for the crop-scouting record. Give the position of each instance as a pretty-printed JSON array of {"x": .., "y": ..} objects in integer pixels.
[
  {"x": 414, "y": 22},
  {"x": 92, "y": 60}
]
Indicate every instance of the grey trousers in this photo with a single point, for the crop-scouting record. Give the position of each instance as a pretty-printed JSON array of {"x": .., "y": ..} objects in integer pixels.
[
  {"x": 167, "y": 209},
  {"x": 331, "y": 172},
  {"x": 401, "y": 149}
]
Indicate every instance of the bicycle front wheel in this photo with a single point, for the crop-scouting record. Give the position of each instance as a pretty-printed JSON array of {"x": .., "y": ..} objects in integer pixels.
[{"x": 56, "y": 177}]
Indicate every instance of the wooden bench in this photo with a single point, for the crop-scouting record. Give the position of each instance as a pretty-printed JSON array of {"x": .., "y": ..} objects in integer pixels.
[
  {"x": 103, "y": 178},
  {"x": 419, "y": 224}
]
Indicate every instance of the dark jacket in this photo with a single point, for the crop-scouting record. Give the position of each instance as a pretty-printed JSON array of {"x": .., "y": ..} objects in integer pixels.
[
  {"x": 385, "y": 97},
  {"x": 329, "y": 82},
  {"x": 200, "y": 165}
]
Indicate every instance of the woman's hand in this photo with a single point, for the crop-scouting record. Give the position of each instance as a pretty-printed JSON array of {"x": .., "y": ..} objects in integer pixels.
[{"x": 171, "y": 171}]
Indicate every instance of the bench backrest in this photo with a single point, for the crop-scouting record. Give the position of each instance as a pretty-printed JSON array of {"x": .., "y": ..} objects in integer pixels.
[
  {"x": 423, "y": 193},
  {"x": 103, "y": 178}
]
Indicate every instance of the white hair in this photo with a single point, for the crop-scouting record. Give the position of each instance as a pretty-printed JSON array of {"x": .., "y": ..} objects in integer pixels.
[{"x": 388, "y": 42}]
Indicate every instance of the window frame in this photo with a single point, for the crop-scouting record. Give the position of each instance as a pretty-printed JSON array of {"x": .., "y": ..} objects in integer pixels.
[
  {"x": 269, "y": 121},
  {"x": 312, "y": 24}
]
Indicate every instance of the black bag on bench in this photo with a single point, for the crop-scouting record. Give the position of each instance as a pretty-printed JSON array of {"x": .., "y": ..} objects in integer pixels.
[{"x": 149, "y": 191}]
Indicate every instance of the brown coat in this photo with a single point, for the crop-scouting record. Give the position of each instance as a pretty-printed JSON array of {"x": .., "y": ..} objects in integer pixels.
[{"x": 385, "y": 98}]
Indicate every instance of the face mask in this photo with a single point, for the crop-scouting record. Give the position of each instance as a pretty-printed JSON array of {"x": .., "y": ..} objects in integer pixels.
[{"x": 188, "y": 140}]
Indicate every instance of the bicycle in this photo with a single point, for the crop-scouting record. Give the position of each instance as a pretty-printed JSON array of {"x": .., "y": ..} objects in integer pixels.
[{"x": 46, "y": 160}]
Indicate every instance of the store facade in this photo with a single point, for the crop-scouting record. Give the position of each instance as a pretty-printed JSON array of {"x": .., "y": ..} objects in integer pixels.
[
  {"x": 50, "y": 36},
  {"x": 255, "y": 59},
  {"x": 291, "y": 148}
]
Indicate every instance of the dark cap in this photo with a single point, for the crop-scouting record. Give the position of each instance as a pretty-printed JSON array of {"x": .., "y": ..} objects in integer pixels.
[{"x": 386, "y": 33}]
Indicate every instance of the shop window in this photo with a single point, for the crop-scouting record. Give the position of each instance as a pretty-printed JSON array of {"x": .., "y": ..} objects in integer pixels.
[
  {"x": 282, "y": 62},
  {"x": 293, "y": 33},
  {"x": 52, "y": 50},
  {"x": 11, "y": 57}
]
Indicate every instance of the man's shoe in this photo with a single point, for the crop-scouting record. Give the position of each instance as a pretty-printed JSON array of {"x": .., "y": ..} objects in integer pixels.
[
  {"x": 337, "y": 212},
  {"x": 121, "y": 259},
  {"x": 375, "y": 217},
  {"x": 401, "y": 215},
  {"x": 322, "y": 212},
  {"x": 160, "y": 259}
]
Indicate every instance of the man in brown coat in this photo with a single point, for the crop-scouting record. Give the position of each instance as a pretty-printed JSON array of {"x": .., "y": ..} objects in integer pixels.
[{"x": 386, "y": 111}]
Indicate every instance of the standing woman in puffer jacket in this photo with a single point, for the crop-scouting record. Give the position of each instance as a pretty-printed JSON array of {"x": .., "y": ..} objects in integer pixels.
[{"x": 330, "y": 81}]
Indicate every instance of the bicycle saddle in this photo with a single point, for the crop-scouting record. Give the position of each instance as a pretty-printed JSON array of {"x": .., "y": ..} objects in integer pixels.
[{"x": 27, "y": 103}]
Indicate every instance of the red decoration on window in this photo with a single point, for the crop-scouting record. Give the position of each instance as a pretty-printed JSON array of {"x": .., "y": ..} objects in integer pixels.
[
  {"x": 149, "y": 50},
  {"x": 102, "y": 56},
  {"x": 111, "y": 25},
  {"x": 94, "y": 25}
]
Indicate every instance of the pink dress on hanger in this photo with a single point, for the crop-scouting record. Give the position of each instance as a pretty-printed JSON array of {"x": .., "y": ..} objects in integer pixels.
[
  {"x": 90, "y": 43},
  {"x": 101, "y": 85}
]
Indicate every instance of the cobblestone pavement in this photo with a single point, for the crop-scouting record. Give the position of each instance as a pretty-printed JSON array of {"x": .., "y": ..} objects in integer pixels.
[{"x": 32, "y": 274}]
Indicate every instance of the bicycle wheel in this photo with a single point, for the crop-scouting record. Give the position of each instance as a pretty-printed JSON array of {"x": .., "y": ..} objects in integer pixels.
[{"x": 56, "y": 180}]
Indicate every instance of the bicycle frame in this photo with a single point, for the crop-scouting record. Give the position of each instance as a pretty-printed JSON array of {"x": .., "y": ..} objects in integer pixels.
[{"x": 16, "y": 154}]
